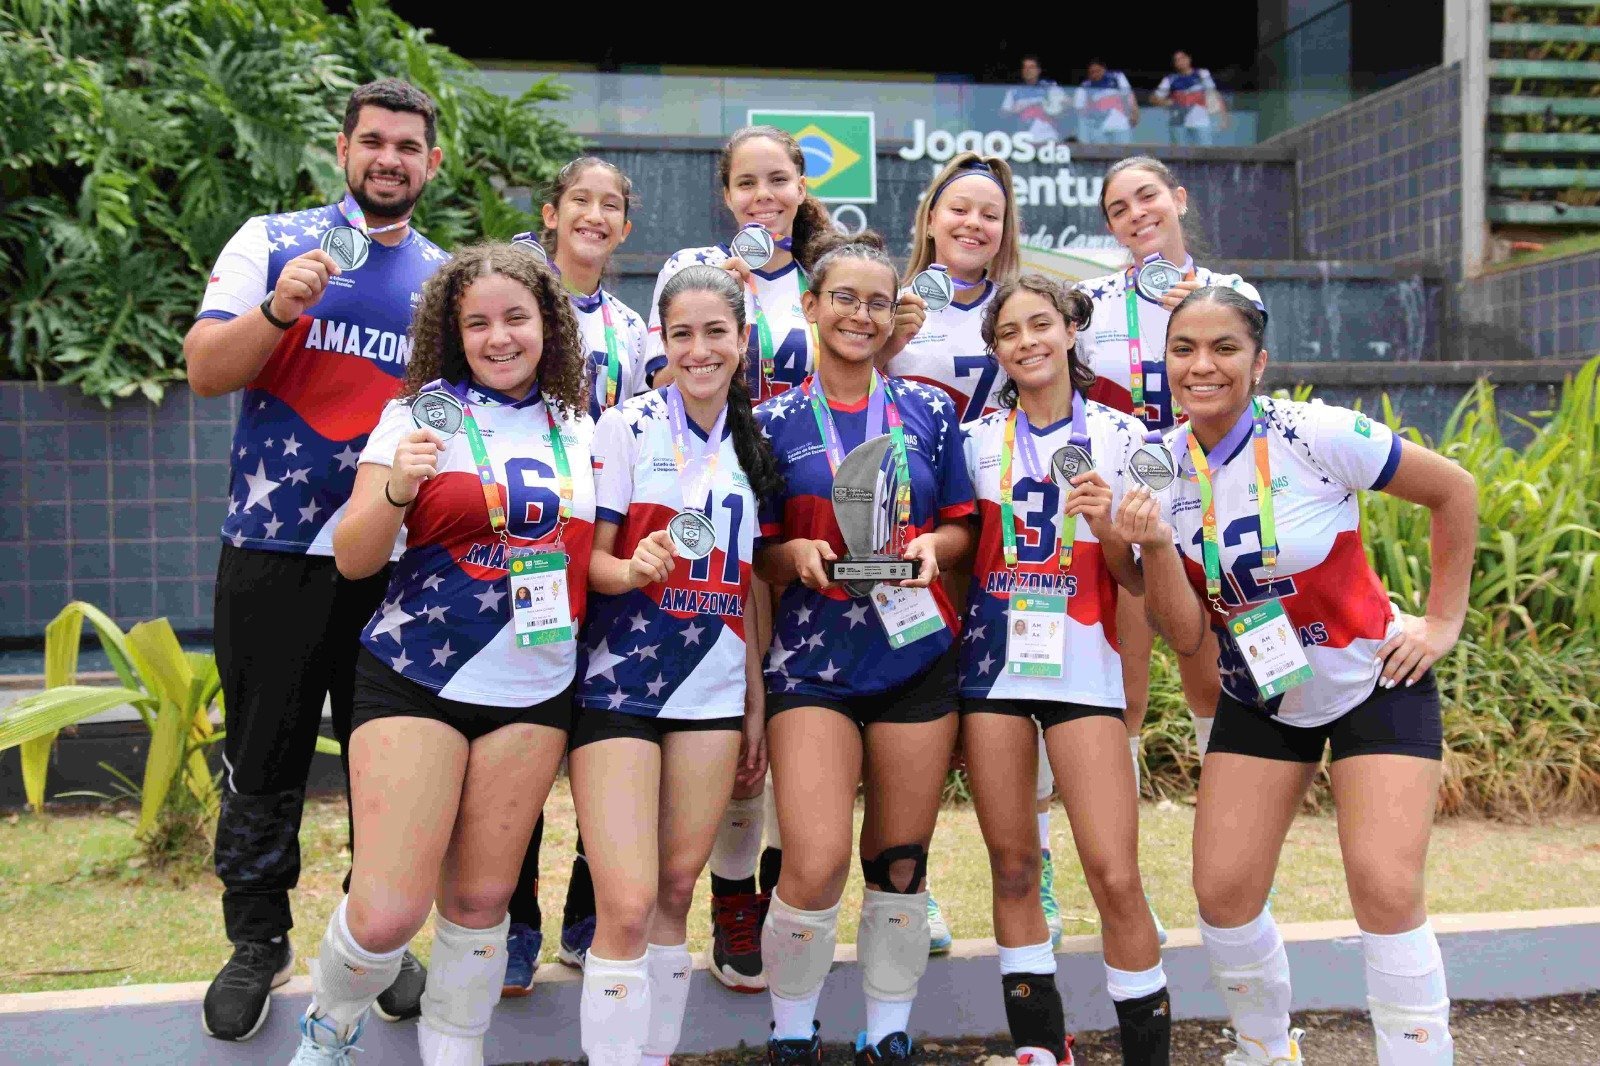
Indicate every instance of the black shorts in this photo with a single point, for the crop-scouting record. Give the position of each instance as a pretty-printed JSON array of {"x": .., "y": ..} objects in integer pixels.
[
  {"x": 383, "y": 693},
  {"x": 1391, "y": 721},
  {"x": 924, "y": 699},
  {"x": 590, "y": 724},
  {"x": 1046, "y": 712}
]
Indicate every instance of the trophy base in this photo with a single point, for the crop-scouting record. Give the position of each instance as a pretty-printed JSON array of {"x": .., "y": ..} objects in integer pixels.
[{"x": 866, "y": 571}]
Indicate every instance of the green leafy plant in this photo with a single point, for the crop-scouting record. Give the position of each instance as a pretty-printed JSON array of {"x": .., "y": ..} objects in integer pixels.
[{"x": 140, "y": 134}]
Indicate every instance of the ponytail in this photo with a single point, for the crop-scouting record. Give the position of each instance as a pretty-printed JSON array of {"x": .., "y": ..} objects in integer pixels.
[{"x": 749, "y": 445}]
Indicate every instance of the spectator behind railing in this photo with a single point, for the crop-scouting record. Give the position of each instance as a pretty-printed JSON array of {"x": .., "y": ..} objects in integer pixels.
[
  {"x": 1197, "y": 110},
  {"x": 1035, "y": 103},
  {"x": 1107, "y": 109}
]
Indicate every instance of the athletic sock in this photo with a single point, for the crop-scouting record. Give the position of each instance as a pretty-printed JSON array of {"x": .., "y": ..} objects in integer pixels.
[
  {"x": 580, "y": 891},
  {"x": 1202, "y": 735},
  {"x": 797, "y": 952},
  {"x": 1033, "y": 1005},
  {"x": 738, "y": 841},
  {"x": 348, "y": 977},
  {"x": 886, "y": 1017},
  {"x": 1044, "y": 831},
  {"x": 892, "y": 950},
  {"x": 1251, "y": 969},
  {"x": 465, "y": 974},
  {"x": 669, "y": 967},
  {"x": 524, "y": 903},
  {"x": 1144, "y": 1014},
  {"x": 1407, "y": 996},
  {"x": 722, "y": 886},
  {"x": 614, "y": 1013}
]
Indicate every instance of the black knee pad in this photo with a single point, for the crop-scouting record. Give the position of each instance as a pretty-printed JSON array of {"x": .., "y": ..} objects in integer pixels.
[
  {"x": 876, "y": 869},
  {"x": 1033, "y": 1012},
  {"x": 1146, "y": 1029}
]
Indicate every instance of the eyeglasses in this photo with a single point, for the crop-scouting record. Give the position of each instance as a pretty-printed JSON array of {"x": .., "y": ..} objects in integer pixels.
[{"x": 846, "y": 303}]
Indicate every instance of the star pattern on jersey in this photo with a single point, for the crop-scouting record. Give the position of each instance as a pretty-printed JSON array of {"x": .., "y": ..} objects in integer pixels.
[
  {"x": 857, "y": 614},
  {"x": 294, "y": 484},
  {"x": 441, "y": 655},
  {"x": 489, "y": 599},
  {"x": 691, "y": 633}
]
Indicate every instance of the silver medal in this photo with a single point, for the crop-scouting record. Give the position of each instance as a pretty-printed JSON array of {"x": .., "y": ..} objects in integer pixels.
[
  {"x": 754, "y": 245},
  {"x": 346, "y": 246},
  {"x": 935, "y": 286},
  {"x": 1071, "y": 461},
  {"x": 438, "y": 411},
  {"x": 1156, "y": 278},
  {"x": 1153, "y": 467},
  {"x": 692, "y": 534}
]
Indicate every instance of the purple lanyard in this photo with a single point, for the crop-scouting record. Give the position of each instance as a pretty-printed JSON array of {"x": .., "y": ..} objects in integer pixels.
[{"x": 686, "y": 455}]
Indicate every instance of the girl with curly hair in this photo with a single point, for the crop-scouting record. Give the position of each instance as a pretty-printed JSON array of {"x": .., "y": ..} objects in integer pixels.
[{"x": 462, "y": 701}]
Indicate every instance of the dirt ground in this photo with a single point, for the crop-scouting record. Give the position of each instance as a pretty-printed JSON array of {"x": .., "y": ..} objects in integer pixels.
[{"x": 1563, "y": 1031}]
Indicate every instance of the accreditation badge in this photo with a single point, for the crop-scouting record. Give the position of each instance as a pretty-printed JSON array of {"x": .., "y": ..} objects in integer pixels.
[
  {"x": 907, "y": 615},
  {"x": 541, "y": 612},
  {"x": 1268, "y": 645},
  {"x": 1036, "y": 635}
]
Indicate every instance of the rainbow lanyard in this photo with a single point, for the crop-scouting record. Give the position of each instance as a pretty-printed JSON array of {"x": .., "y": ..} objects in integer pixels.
[
  {"x": 1135, "y": 345},
  {"x": 1019, "y": 443},
  {"x": 491, "y": 487},
  {"x": 358, "y": 218},
  {"x": 1211, "y": 553},
  {"x": 685, "y": 456},
  {"x": 765, "y": 347},
  {"x": 881, "y": 408},
  {"x": 612, "y": 376}
]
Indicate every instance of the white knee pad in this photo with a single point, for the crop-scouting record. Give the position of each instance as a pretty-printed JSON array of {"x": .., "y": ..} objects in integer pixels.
[
  {"x": 670, "y": 968},
  {"x": 892, "y": 944},
  {"x": 738, "y": 843},
  {"x": 769, "y": 807},
  {"x": 465, "y": 974},
  {"x": 614, "y": 1013},
  {"x": 1251, "y": 970},
  {"x": 346, "y": 977},
  {"x": 797, "y": 948},
  {"x": 1407, "y": 996},
  {"x": 1045, "y": 783}
]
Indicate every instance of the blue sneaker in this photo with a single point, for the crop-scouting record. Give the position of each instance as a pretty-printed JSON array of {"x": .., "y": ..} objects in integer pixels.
[
  {"x": 575, "y": 941},
  {"x": 939, "y": 939},
  {"x": 523, "y": 944},
  {"x": 893, "y": 1050},
  {"x": 1047, "y": 898},
  {"x": 320, "y": 1044}
]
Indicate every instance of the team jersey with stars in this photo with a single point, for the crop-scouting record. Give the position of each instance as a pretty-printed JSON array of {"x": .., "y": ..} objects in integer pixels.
[
  {"x": 1106, "y": 101},
  {"x": 630, "y": 346},
  {"x": 1321, "y": 457},
  {"x": 445, "y": 621},
  {"x": 305, "y": 418},
  {"x": 779, "y": 294},
  {"x": 1093, "y": 672},
  {"x": 672, "y": 649},
  {"x": 1186, "y": 94},
  {"x": 948, "y": 352},
  {"x": 826, "y": 643},
  {"x": 1103, "y": 344}
]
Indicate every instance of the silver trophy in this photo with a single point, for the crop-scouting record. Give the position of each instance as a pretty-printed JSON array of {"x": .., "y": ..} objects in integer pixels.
[{"x": 864, "y": 507}]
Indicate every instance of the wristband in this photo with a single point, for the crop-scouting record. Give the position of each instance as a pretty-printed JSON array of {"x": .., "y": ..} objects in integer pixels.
[
  {"x": 394, "y": 502},
  {"x": 266, "y": 312}
]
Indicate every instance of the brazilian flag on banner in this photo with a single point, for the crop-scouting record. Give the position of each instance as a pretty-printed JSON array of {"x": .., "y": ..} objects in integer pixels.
[{"x": 840, "y": 148}]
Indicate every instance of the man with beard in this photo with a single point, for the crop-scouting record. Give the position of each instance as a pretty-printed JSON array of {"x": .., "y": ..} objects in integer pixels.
[{"x": 307, "y": 313}]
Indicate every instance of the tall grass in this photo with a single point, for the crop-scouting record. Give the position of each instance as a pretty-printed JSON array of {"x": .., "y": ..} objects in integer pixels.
[{"x": 1521, "y": 690}]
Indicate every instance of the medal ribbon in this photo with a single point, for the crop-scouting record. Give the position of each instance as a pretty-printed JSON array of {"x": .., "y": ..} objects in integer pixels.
[
  {"x": 491, "y": 487},
  {"x": 1255, "y": 422},
  {"x": 765, "y": 347},
  {"x": 1135, "y": 345},
  {"x": 1019, "y": 443},
  {"x": 685, "y": 455},
  {"x": 881, "y": 408},
  {"x": 358, "y": 218},
  {"x": 613, "y": 375}
]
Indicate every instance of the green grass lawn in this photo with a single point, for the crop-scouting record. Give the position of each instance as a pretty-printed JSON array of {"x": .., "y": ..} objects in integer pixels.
[{"x": 70, "y": 902}]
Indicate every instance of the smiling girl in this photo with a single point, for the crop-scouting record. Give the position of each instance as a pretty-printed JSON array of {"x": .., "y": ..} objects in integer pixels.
[
  {"x": 462, "y": 705},
  {"x": 862, "y": 683}
]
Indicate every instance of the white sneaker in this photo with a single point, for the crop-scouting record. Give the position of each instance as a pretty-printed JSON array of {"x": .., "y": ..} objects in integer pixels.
[
  {"x": 1248, "y": 1052},
  {"x": 320, "y": 1044}
]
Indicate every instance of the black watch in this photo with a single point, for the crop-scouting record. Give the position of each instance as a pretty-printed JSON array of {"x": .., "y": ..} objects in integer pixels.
[{"x": 266, "y": 312}]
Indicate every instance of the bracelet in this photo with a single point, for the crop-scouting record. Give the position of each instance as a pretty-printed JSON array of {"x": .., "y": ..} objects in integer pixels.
[
  {"x": 394, "y": 502},
  {"x": 266, "y": 312}
]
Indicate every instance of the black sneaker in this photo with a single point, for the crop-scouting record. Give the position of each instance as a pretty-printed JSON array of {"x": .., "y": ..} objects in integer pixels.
[
  {"x": 734, "y": 956},
  {"x": 240, "y": 995},
  {"x": 403, "y": 998},
  {"x": 799, "y": 1052},
  {"x": 893, "y": 1050}
]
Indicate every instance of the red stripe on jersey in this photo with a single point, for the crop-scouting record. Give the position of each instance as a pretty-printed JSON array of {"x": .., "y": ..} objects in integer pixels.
[
  {"x": 340, "y": 396},
  {"x": 643, "y": 519},
  {"x": 1342, "y": 594},
  {"x": 1113, "y": 395},
  {"x": 1095, "y": 602}
]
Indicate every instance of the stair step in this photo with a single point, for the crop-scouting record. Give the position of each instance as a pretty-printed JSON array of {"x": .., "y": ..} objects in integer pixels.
[
  {"x": 1540, "y": 105},
  {"x": 1542, "y": 178},
  {"x": 1544, "y": 214}
]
